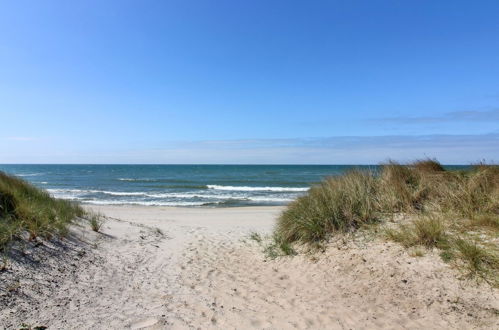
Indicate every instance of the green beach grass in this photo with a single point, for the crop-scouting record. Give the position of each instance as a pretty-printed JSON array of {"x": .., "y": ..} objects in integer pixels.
[
  {"x": 456, "y": 212},
  {"x": 27, "y": 212}
]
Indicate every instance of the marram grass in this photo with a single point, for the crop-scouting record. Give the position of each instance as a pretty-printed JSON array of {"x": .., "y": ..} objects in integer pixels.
[
  {"x": 337, "y": 204},
  {"x": 28, "y": 211},
  {"x": 346, "y": 202},
  {"x": 443, "y": 205}
]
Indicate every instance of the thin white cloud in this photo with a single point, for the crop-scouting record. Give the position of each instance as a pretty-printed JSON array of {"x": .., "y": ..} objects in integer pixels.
[
  {"x": 455, "y": 116},
  {"x": 449, "y": 149}
]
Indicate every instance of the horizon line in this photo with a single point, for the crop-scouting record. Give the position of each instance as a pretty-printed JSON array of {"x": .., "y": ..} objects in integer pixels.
[{"x": 228, "y": 164}]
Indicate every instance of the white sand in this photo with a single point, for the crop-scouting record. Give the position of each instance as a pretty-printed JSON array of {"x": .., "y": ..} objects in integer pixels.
[{"x": 202, "y": 271}]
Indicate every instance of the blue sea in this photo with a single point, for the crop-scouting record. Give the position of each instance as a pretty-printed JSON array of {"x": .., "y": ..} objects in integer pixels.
[{"x": 177, "y": 185}]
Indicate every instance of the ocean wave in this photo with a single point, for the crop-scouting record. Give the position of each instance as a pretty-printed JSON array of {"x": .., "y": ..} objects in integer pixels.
[
  {"x": 66, "y": 190},
  {"x": 59, "y": 190},
  {"x": 183, "y": 186},
  {"x": 73, "y": 192},
  {"x": 121, "y": 193},
  {"x": 225, "y": 197},
  {"x": 98, "y": 197},
  {"x": 145, "y": 203},
  {"x": 91, "y": 191},
  {"x": 230, "y": 201},
  {"x": 187, "y": 195},
  {"x": 30, "y": 174},
  {"x": 270, "y": 199},
  {"x": 237, "y": 188},
  {"x": 137, "y": 180},
  {"x": 244, "y": 201}
]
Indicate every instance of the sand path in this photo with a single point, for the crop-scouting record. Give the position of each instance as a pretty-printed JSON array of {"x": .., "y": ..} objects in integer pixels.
[{"x": 174, "y": 268}]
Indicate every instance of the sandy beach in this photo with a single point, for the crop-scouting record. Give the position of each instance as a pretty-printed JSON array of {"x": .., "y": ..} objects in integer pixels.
[
  {"x": 196, "y": 268},
  {"x": 249, "y": 165}
]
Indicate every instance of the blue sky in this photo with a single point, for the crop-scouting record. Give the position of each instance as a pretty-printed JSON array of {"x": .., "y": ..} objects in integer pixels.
[{"x": 248, "y": 81}]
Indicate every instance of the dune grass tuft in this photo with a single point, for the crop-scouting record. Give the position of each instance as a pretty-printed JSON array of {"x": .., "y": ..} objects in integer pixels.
[
  {"x": 442, "y": 205},
  {"x": 487, "y": 221},
  {"x": 25, "y": 209},
  {"x": 96, "y": 221},
  {"x": 428, "y": 165},
  {"x": 278, "y": 247},
  {"x": 255, "y": 237},
  {"x": 427, "y": 231},
  {"x": 345, "y": 202},
  {"x": 337, "y": 204},
  {"x": 477, "y": 259},
  {"x": 417, "y": 251}
]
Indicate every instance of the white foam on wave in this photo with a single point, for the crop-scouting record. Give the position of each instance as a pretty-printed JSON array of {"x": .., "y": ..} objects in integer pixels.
[
  {"x": 226, "y": 197},
  {"x": 133, "y": 179},
  {"x": 55, "y": 190},
  {"x": 145, "y": 203},
  {"x": 30, "y": 174},
  {"x": 270, "y": 199},
  {"x": 165, "y": 199},
  {"x": 189, "y": 195},
  {"x": 64, "y": 193},
  {"x": 243, "y": 188},
  {"x": 121, "y": 193},
  {"x": 80, "y": 192},
  {"x": 176, "y": 203},
  {"x": 91, "y": 191}
]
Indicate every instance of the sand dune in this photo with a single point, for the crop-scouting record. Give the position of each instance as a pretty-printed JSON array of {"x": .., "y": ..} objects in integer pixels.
[{"x": 175, "y": 268}]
